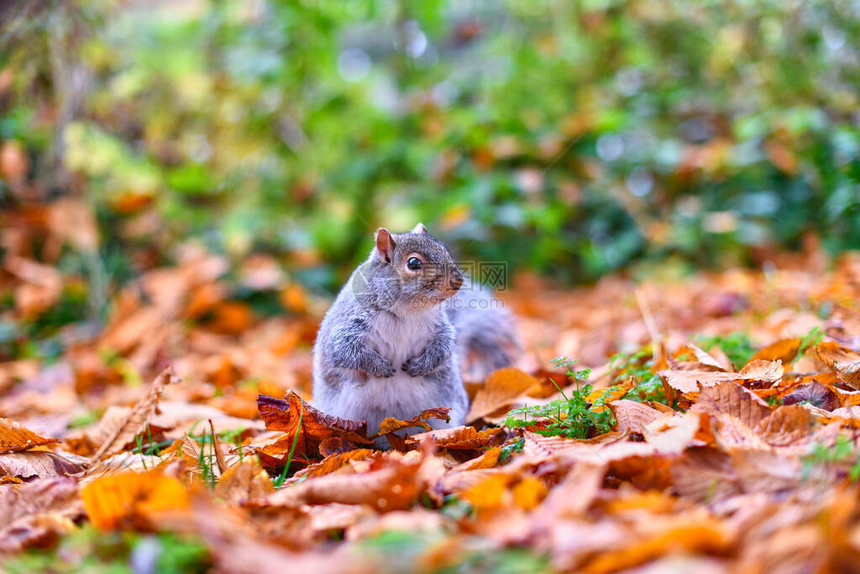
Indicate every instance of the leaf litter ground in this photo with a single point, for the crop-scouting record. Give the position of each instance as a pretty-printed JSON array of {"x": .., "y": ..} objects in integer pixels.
[{"x": 707, "y": 424}]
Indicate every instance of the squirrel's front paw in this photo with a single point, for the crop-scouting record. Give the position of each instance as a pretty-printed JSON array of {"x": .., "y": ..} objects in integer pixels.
[
  {"x": 383, "y": 368},
  {"x": 415, "y": 367}
]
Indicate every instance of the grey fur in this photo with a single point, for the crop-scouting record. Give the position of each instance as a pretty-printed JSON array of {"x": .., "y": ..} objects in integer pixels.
[{"x": 486, "y": 331}]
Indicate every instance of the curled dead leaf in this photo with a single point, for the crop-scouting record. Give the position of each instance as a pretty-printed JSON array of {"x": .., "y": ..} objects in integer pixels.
[
  {"x": 40, "y": 464},
  {"x": 842, "y": 361},
  {"x": 15, "y": 437},
  {"x": 120, "y": 425},
  {"x": 392, "y": 425}
]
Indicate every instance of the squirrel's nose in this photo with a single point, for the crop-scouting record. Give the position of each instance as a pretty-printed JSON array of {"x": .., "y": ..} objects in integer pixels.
[{"x": 456, "y": 281}]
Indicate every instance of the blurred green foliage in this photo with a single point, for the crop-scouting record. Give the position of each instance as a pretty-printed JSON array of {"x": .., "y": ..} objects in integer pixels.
[{"x": 569, "y": 137}]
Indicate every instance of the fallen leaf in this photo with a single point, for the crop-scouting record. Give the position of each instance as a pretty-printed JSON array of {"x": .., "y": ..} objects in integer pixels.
[
  {"x": 697, "y": 536},
  {"x": 391, "y": 425},
  {"x": 762, "y": 370},
  {"x": 784, "y": 350},
  {"x": 391, "y": 485},
  {"x": 501, "y": 388},
  {"x": 15, "y": 437},
  {"x": 785, "y": 426},
  {"x": 308, "y": 427},
  {"x": 335, "y": 462},
  {"x": 244, "y": 481},
  {"x": 844, "y": 362},
  {"x": 37, "y": 512},
  {"x": 40, "y": 464},
  {"x": 119, "y": 426},
  {"x": 735, "y": 400},
  {"x": 814, "y": 393},
  {"x": 631, "y": 416},
  {"x": 130, "y": 497},
  {"x": 460, "y": 438}
]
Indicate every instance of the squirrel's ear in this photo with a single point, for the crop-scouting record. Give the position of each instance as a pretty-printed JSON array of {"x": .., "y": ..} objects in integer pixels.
[
  {"x": 420, "y": 228},
  {"x": 384, "y": 244}
]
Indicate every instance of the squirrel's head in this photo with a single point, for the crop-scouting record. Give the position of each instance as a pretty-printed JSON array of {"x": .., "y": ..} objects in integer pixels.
[{"x": 413, "y": 269}]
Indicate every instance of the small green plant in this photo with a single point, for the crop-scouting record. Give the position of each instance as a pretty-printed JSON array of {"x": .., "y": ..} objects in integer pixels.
[
  {"x": 572, "y": 416},
  {"x": 205, "y": 464},
  {"x": 87, "y": 550},
  {"x": 638, "y": 366},
  {"x": 737, "y": 346},
  {"x": 843, "y": 454},
  {"x": 509, "y": 450},
  {"x": 814, "y": 337},
  {"x": 278, "y": 481}
]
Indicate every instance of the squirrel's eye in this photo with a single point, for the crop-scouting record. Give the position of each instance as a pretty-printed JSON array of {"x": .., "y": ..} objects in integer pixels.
[{"x": 414, "y": 264}]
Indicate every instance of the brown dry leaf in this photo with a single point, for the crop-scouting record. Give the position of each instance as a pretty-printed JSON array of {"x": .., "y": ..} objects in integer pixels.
[
  {"x": 244, "y": 481},
  {"x": 391, "y": 484},
  {"x": 392, "y": 425},
  {"x": 787, "y": 425},
  {"x": 631, "y": 416},
  {"x": 732, "y": 399},
  {"x": 501, "y": 388},
  {"x": 689, "y": 381},
  {"x": 768, "y": 471},
  {"x": 37, "y": 512},
  {"x": 40, "y": 464},
  {"x": 15, "y": 437},
  {"x": 703, "y": 357},
  {"x": 815, "y": 394},
  {"x": 292, "y": 415},
  {"x": 704, "y": 474},
  {"x": 460, "y": 438},
  {"x": 335, "y": 462},
  {"x": 130, "y": 498},
  {"x": 119, "y": 427},
  {"x": 763, "y": 371},
  {"x": 844, "y": 362},
  {"x": 845, "y": 416}
]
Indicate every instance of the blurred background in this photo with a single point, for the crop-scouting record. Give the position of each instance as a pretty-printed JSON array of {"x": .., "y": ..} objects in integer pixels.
[{"x": 570, "y": 139}]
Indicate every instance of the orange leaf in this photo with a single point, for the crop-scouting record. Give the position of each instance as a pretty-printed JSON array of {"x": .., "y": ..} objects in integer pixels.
[
  {"x": 784, "y": 350},
  {"x": 844, "y": 362},
  {"x": 488, "y": 493},
  {"x": 529, "y": 492},
  {"x": 294, "y": 416},
  {"x": 114, "y": 500},
  {"x": 391, "y": 424},
  {"x": 500, "y": 389},
  {"x": 14, "y": 437}
]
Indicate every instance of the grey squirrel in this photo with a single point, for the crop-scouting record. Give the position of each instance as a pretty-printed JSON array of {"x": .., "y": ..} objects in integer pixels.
[{"x": 392, "y": 342}]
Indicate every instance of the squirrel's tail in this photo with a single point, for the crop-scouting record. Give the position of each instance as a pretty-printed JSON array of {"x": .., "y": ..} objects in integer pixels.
[{"x": 485, "y": 330}]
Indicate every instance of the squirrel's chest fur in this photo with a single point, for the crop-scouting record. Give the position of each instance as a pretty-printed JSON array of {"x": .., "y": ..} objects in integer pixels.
[
  {"x": 399, "y": 338},
  {"x": 401, "y": 396}
]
